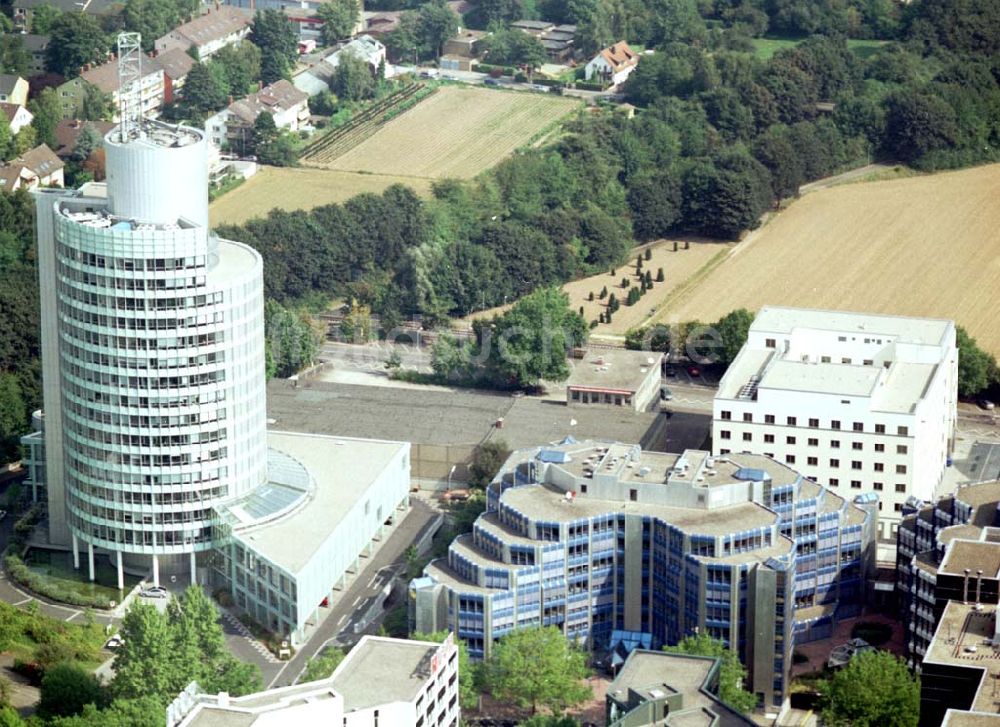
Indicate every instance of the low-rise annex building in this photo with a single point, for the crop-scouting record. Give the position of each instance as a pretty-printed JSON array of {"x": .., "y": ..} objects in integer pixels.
[
  {"x": 381, "y": 682},
  {"x": 656, "y": 688},
  {"x": 595, "y": 537},
  {"x": 615, "y": 377}
]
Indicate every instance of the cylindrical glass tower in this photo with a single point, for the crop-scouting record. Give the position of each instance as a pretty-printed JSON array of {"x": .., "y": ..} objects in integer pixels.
[{"x": 161, "y": 352}]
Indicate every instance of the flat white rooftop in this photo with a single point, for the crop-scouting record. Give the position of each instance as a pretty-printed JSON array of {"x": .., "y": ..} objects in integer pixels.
[
  {"x": 926, "y": 331},
  {"x": 342, "y": 469}
]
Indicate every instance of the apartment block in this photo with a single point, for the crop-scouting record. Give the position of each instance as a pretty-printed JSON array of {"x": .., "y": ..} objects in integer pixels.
[
  {"x": 381, "y": 682},
  {"x": 859, "y": 403},
  {"x": 947, "y": 551},
  {"x": 598, "y": 538}
]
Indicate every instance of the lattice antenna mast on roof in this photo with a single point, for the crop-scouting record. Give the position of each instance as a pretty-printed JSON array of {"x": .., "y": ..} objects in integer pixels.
[{"x": 129, "y": 85}]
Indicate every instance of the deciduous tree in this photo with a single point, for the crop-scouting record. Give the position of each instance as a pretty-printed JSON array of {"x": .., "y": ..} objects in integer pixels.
[
  {"x": 534, "y": 667},
  {"x": 74, "y": 40},
  {"x": 273, "y": 34},
  {"x": 66, "y": 689},
  {"x": 339, "y": 20},
  {"x": 874, "y": 690}
]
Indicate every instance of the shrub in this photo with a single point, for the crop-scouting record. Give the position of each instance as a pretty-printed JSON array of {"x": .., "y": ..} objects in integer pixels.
[
  {"x": 659, "y": 275},
  {"x": 649, "y": 253}
]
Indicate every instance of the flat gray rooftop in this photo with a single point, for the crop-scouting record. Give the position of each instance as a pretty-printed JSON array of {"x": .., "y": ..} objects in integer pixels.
[
  {"x": 342, "y": 469},
  {"x": 380, "y": 671},
  {"x": 654, "y": 674},
  {"x": 451, "y": 417},
  {"x": 926, "y": 331},
  {"x": 548, "y": 503},
  {"x": 613, "y": 369}
]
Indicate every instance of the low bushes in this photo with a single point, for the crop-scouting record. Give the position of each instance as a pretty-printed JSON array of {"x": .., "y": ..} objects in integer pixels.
[{"x": 43, "y": 587}]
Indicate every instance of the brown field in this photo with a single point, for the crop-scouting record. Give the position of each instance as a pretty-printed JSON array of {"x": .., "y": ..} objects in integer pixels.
[
  {"x": 299, "y": 189},
  {"x": 457, "y": 132},
  {"x": 678, "y": 268},
  {"x": 922, "y": 246}
]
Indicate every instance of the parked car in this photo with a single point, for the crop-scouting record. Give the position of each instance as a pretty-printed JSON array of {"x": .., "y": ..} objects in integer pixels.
[
  {"x": 429, "y": 73},
  {"x": 987, "y": 404},
  {"x": 665, "y": 394},
  {"x": 694, "y": 371},
  {"x": 491, "y": 82},
  {"x": 154, "y": 592},
  {"x": 114, "y": 642}
]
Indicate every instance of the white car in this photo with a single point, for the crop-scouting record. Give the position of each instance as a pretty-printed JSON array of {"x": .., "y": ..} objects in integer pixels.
[{"x": 154, "y": 592}]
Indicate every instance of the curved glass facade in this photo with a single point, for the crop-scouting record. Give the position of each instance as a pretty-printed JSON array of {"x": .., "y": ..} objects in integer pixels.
[{"x": 161, "y": 362}]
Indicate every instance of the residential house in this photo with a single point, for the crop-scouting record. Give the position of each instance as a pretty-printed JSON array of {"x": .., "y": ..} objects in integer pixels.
[
  {"x": 381, "y": 24},
  {"x": 35, "y": 45},
  {"x": 556, "y": 39},
  {"x": 209, "y": 33},
  {"x": 68, "y": 131},
  {"x": 13, "y": 89},
  {"x": 233, "y": 125},
  {"x": 317, "y": 78},
  {"x": 23, "y": 10},
  {"x": 17, "y": 116},
  {"x": 613, "y": 64},
  {"x": 465, "y": 44},
  {"x": 176, "y": 64},
  {"x": 105, "y": 78},
  {"x": 38, "y": 167}
]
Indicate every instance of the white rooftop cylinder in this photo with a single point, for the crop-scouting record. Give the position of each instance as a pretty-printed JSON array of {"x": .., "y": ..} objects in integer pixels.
[{"x": 159, "y": 177}]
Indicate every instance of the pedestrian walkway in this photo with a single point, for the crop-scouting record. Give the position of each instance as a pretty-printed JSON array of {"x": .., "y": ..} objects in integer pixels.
[{"x": 244, "y": 632}]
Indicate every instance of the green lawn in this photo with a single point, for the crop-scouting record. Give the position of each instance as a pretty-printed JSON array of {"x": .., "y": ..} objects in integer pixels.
[
  {"x": 57, "y": 567},
  {"x": 767, "y": 47}
]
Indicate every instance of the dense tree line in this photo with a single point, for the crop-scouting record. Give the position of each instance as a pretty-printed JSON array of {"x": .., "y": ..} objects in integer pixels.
[{"x": 20, "y": 352}]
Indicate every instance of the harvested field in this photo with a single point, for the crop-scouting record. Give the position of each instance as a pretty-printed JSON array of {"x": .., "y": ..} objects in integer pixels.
[
  {"x": 299, "y": 189},
  {"x": 921, "y": 246},
  {"x": 678, "y": 269},
  {"x": 457, "y": 132}
]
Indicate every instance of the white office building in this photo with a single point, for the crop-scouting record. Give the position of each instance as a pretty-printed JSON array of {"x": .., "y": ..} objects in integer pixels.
[
  {"x": 381, "y": 682},
  {"x": 856, "y": 402},
  {"x": 153, "y": 447},
  {"x": 153, "y": 354}
]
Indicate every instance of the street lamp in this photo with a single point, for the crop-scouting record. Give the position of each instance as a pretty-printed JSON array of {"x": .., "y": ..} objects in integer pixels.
[{"x": 450, "y": 473}]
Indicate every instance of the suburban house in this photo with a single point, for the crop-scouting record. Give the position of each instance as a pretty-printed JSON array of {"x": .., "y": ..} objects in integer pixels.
[
  {"x": 68, "y": 131},
  {"x": 465, "y": 43},
  {"x": 379, "y": 24},
  {"x": 35, "y": 45},
  {"x": 556, "y": 39},
  {"x": 13, "y": 89},
  {"x": 105, "y": 78},
  {"x": 17, "y": 116},
  {"x": 460, "y": 52},
  {"x": 176, "y": 64},
  {"x": 38, "y": 167},
  {"x": 317, "y": 78},
  {"x": 209, "y": 33},
  {"x": 23, "y": 10},
  {"x": 612, "y": 64},
  {"x": 234, "y": 125}
]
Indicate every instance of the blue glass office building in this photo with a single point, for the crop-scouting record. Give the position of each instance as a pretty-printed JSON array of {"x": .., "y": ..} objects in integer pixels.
[{"x": 602, "y": 538}]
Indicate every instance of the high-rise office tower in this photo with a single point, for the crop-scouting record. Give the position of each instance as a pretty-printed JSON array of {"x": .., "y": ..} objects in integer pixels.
[{"x": 153, "y": 353}]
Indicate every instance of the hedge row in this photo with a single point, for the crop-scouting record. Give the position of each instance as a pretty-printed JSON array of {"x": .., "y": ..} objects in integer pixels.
[
  {"x": 486, "y": 68},
  {"x": 588, "y": 86},
  {"x": 44, "y": 587}
]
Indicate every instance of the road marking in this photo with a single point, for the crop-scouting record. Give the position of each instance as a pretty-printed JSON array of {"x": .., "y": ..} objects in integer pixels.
[
  {"x": 21, "y": 603},
  {"x": 355, "y": 601},
  {"x": 73, "y": 616}
]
